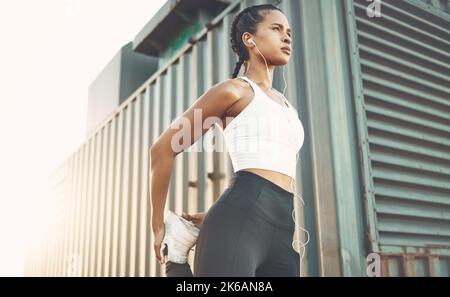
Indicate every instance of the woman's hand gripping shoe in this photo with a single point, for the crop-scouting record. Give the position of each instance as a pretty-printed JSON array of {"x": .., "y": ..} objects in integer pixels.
[{"x": 180, "y": 236}]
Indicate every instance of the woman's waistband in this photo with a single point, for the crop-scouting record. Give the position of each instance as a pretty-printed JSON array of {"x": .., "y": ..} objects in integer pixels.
[{"x": 264, "y": 181}]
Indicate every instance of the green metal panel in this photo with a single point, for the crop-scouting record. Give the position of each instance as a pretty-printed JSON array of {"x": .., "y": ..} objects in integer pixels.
[
  {"x": 401, "y": 65},
  {"x": 174, "y": 46}
]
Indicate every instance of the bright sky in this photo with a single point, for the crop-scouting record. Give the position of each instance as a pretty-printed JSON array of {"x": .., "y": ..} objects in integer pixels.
[{"x": 50, "y": 51}]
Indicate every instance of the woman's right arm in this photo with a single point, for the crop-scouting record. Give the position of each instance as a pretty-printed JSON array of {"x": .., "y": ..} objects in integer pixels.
[{"x": 182, "y": 133}]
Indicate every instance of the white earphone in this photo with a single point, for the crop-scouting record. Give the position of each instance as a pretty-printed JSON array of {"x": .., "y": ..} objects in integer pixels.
[
  {"x": 303, "y": 245},
  {"x": 267, "y": 68}
]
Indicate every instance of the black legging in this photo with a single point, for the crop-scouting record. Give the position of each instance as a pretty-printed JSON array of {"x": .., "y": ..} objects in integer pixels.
[{"x": 248, "y": 231}]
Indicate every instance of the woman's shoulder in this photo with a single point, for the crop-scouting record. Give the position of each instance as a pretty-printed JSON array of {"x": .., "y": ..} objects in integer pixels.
[
  {"x": 236, "y": 82},
  {"x": 237, "y": 86}
]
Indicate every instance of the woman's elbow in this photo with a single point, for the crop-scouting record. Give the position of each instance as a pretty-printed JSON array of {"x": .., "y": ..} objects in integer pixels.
[
  {"x": 153, "y": 150},
  {"x": 156, "y": 152}
]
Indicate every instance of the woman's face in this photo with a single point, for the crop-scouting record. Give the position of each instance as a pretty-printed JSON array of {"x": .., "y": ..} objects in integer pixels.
[{"x": 274, "y": 34}]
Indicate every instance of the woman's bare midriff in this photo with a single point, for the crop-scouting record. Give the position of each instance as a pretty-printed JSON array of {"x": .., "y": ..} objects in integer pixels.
[{"x": 277, "y": 178}]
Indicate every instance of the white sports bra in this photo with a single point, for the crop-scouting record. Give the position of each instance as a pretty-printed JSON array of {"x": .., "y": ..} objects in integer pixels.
[{"x": 265, "y": 134}]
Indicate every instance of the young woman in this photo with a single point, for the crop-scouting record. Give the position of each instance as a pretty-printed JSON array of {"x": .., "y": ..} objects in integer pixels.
[{"x": 249, "y": 230}]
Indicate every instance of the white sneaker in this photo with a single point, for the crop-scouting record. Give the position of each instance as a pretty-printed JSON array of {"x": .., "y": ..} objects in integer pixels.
[{"x": 180, "y": 236}]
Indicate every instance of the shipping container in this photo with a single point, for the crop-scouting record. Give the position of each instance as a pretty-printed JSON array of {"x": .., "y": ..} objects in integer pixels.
[{"x": 370, "y": 80}]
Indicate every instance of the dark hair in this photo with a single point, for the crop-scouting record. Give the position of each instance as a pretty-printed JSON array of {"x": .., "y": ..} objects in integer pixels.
[{"x": 246, "y": 21}]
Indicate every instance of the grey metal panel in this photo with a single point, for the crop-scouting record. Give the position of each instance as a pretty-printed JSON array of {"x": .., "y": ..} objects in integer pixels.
[
  {"x": 89, "y": 206},
  {"x": 178, "y": 105},
  {"x": 125, "y": 72},
  {"x": 75, "y": 268},
  {"x": 99, "y": 249},
  {"x": 99, "y": 209},
  {"x": 95, "y": 204},
  {"x": 183, "y": 104},
  {"x": 199, "y": 51},
  {"x": 191, "y": 157},
  {"x": 125, "y": 193},
  {"x": 405, "y": 69},
  {"x": 135, "y": 179},
  {"x": 116, "y": 212},
  {"x": 112, "y": 145},
  {"x": 131, "y": 197},
  {"x": 144, "y": 234},
  {"x": 177, "y": 98},
  {"x": 170, "y": 99},
  {"x": 221, "y": 72},
  {"x": 83, "y": 207},
  {"x": 207, "y": 68}
]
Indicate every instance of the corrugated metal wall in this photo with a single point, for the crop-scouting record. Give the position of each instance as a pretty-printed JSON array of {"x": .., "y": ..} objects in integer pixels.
[
  {"x": 105, "y": 226},
  {"x": 106, "y": 223},
  {"x": 404, "y": 67}
]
